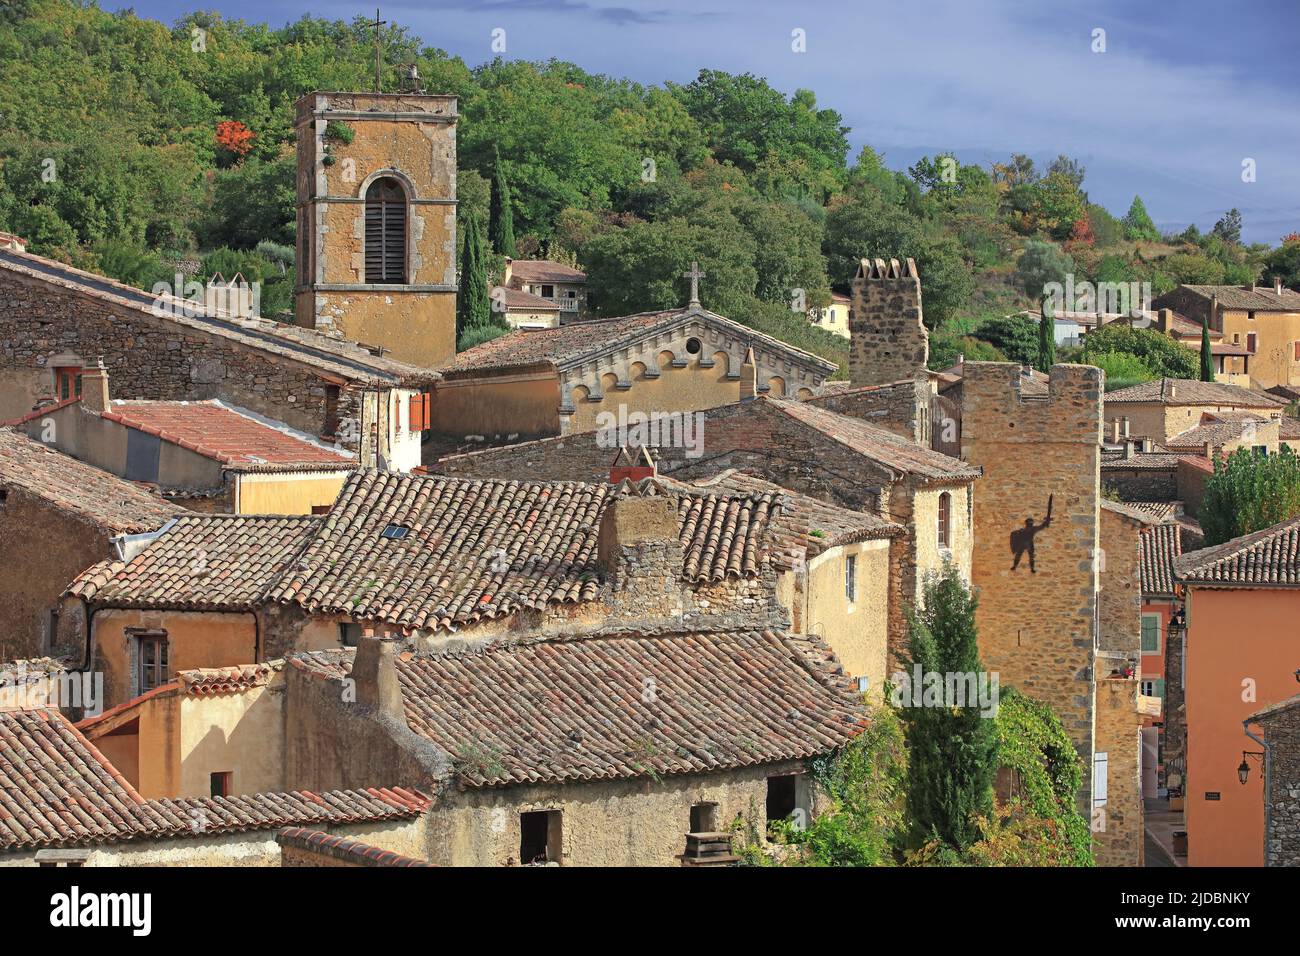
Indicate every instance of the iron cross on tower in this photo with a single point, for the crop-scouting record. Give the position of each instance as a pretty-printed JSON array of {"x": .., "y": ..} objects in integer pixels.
[
  {"x": 377, "y": 23},
  {"x": 695, "y": 275}
]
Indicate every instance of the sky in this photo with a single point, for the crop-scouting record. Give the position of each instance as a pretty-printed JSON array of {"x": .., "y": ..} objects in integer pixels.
[{"x": 1185, "y": 93}]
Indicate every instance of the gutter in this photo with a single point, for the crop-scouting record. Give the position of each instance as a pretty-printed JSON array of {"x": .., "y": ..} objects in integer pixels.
[{"x": 1268, "y": 779}]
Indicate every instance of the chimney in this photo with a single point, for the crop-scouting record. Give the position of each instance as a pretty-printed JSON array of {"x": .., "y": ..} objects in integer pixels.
[
  {"x": 94, "y": 388},
  {"x": 1146, "y": 446},
  {"x": 1124, "y": 424},
  {"x": 639, "y": 546},
  {"x": 1128, "y": 450},
  {"x": 1209, "y": 450},
  {"x": 629, "y": 466},
  {"x": 1173, "y": 389},
  {"x": 1277, "y": 285},
  {"x": 1163, "y": 318},
  {"x": 888, "y": 341},
  {"x": 375, "y": 671},
  {"x": 12, "y": 243},
  {"x": 1215, "y": 325},
  {"x": 1114, "y": 431},
  {"x": 507, "y": 272},
  {"x": 748, "y": 376}
]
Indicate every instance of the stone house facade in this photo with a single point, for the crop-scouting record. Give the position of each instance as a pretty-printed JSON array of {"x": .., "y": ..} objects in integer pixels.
[{"x": 1281, "y": 742}]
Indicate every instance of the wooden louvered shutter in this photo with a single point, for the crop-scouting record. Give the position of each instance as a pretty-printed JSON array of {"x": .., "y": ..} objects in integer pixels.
[{"x": 385, "y": 233}]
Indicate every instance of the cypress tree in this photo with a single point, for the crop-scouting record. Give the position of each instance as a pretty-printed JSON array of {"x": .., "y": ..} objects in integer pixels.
[
  {"x": 953, "y": 750},
  {"x": 473, "y": 305},
  {"x": 501, "y": 219},
  {"x": 1046, "y": 341},
  {"x": 1207, "y": 357}
]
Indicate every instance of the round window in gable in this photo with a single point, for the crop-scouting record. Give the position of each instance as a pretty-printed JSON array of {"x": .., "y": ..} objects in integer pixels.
[{"x": 693, "y": 346}]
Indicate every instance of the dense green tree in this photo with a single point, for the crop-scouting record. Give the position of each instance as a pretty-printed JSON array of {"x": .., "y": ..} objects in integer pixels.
[
  {"x": 1138, "y": 224},
  {"x": 1046, "y": 344},
  {"x": 501, "y": 224},
  {"x": 1041, "y": 264},
  {"x": 1207, "y": 356},
  {"x": 1161, "y": 354},
  {"x": 1228, "y": 228},
  {"x": 1249, "y": 492},
  {"x": 1284, "y": 262},
  {"x": 473, "y": 304},
  {"x": 1015, "y": 336},
  {"x": 951, "y": 749}
]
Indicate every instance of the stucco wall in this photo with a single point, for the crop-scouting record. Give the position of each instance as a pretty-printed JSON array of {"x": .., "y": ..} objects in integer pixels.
[
  {"x": 288, "y": 493},
  {"x": 240, "y": 733},
  {"x": 526, "y": 404},
  {"x": 858, "y": 632}
]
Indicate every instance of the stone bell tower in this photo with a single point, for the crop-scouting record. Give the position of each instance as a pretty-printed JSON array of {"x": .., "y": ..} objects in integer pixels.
[{"x": 377, "y": 221}]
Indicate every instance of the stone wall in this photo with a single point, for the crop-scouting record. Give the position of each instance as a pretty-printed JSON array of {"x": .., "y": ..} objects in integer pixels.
[
  {"x": 1141, "y": 484},
  {"x": 42, "y": 549},
  {"x": 1119, "y": 603},
  {"x": 1118, "y": 826},
  {"x": 888, "y": 339},
  {"x": 903, "y": 408},
  {"x": 148, "y": 357},
  {"x": 1037, "y": 626},
  {"x": 1282, "y": 737}
]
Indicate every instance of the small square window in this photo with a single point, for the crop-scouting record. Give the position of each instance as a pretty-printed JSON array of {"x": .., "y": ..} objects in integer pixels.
[
  {"x": 539, "y": 837},
  {"x": 704, "y": 818},
  {"x": 220, "y": 783}
]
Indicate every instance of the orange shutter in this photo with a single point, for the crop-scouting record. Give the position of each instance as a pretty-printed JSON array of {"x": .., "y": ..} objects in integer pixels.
[
  {"x": 420, "y": 412},
  {"x": 428, "y": 410}
]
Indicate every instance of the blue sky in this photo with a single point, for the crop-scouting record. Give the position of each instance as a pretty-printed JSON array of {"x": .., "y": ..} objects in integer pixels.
[{"x": 1184, "y": 93}]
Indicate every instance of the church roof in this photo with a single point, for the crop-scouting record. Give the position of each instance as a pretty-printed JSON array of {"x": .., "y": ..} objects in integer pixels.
[
  {"x": 578, "y": 342},
  {"x": 326, "y": 354}
]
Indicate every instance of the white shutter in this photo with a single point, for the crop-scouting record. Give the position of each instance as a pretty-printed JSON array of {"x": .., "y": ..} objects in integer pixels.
[{"x": 1100, "y": 763}]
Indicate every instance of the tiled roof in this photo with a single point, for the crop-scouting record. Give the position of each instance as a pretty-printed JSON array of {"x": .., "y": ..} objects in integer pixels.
[
  {"x": 57, "y": 789},
  {"x": 202, "y": 562},
  {"x": 1159, "y": 510},
  {"x": 577, "y": 342},
  {"x": 1216, "y": 433},
  {"x": 477, "y": 550},
  {"x": 210, "y": 681},
  {"x": 1257, "y": 298},
  {"x": 519, "y": 299},
  {"x": 1262, "y": 558},
  {"x": 1288, "y": 428},
  {"x": 1156, "y": 459},
  {"x": 897, "y": 453},
  {"x": 545, "y": 270},
  {"x": 343, "y": 848},
  {"x": 230, "y": 436},
  {"x": 109, "y": 502},
  {"x": 1287, "y": 393},
  {"x": 1161, "y": 546},
  {"x": 1128, "y": 511},
  {"x": 593, "y": 708},
  {"x": 1190, "y": 391},
  {"x": 335, "y": 357},
  {"x": 803, "y": 524},
  {"x": 1274, "y": 709}
]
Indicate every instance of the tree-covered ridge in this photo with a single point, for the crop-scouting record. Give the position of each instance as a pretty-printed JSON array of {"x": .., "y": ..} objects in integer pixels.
[{"x": 125, "y": 144}]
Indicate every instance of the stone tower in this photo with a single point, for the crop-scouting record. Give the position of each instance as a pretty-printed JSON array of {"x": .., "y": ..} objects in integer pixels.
[
  {"x": 887, "y": 339},
  {"x": 1036, "y": 519},
  {"x": 377, "y": 221}
]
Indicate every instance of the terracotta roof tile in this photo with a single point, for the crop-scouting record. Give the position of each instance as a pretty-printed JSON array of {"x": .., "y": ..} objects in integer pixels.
[
  {"x": 333, "y": 356},
  {"x": 519, "y": 299},
  {"x": 233, "y": 437},
  {"x": 471, "y": 550},
  {"x": 572, "y": 344},
  {"x": 561, "y": 709},
  {"x": 1263, "y": 558},
  {"x": 210, "y": 681},
  {"x": 1256, "y": 298},
  {"x": 893, "y": 451},
  {"x": 545, "y": 270},
  {"x": 202, "y": 562},
  {"x": 109, "y": 502},
  {"x": 1188, "y": 391},
  {"x": 1161, "y": 547},
  {"x": 343, "y": 848}
]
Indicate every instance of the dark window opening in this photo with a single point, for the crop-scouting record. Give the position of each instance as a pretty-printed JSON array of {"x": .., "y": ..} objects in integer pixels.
[
  {"x": 321, "y": 509},
  {"x": 693, "y": 346},
  {"x": 221, "y": 783},
  {"x": 349, "y": 634},
  {"x": 386, "y": 232},
  {"x": 704, "y": 818},
  {"x": 782, "y": 796},
  {"x": 548, "y": 292},
  {"x": 153, "y": 661},
  {"x": 331, "y": 411},
  {"x": 945, "y": 519},
  {"x": 851, "y": 578},
  {"x": 539, "y": 837}
]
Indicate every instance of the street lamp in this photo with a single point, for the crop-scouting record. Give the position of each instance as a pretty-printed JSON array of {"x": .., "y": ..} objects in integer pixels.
[{"x": 1243, "y": 770}]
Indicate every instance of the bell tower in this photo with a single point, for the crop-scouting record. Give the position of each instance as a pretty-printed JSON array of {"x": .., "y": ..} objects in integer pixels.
[{"x": 377, "y": 221}]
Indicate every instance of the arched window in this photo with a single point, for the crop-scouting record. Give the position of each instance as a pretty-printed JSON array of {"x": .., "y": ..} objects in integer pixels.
[
  {"x": 386, "y": 232},
  {"x": 945, "y": 519}
]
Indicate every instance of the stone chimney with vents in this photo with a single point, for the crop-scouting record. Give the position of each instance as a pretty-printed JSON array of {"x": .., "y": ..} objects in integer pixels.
[
  {"x": 888, "y": 341},
  {"x": 375, "y": 671},
  {"x": 640, "y": 552},
  {"x": 633, "y": 466},
  {"x": 94, "y": 388}
]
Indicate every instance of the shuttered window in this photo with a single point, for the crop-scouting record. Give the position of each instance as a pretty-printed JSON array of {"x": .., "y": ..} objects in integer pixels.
[{"x": 386, "y": 233}]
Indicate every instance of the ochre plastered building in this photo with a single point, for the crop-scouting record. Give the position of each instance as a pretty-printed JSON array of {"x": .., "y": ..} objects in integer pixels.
[{"x": 377, "y": 221}]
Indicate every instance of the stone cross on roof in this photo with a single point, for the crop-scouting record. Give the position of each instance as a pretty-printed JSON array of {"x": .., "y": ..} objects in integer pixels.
[{"x": 695, "y": 275}]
